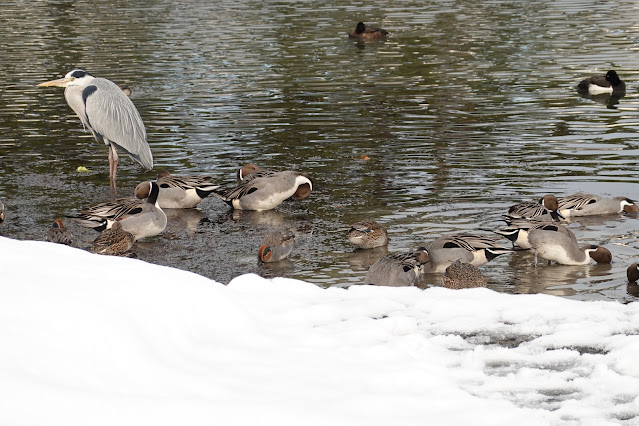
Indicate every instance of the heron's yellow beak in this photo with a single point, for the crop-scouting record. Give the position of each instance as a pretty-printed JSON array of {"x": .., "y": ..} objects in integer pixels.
[{"x": 61, "y": 82}]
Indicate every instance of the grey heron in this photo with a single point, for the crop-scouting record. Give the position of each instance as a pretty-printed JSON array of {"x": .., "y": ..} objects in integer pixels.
[{"x": 109, "y": 114}]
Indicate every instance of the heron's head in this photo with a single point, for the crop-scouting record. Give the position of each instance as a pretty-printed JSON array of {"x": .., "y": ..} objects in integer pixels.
[{"x": 73, "y": 78}]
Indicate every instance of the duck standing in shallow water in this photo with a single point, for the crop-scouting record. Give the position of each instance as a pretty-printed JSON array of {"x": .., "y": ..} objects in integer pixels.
[
  {"x": 557, "y": 247},
  {"x": 364, "y": 32},
  {"x": 183, "y": 192},
  {"x": 608, "y": 83},
  {"x": 367, "y": 234},
  {"x": 265, "y": 190},
  {"x": 113, "y": 241},
  {"x": 58, "y": 233},
  {"x": 141, "y": 216},
  {"x": 397, "y": 269},
  {"x": 276, "y": 246},
  {"x": 583, "y": 204},
  {"x": 518, "y": 230}
]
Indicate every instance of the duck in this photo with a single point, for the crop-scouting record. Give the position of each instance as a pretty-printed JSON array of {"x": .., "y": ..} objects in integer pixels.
[
  {"x": 58, "y": 233},
  {"x": 397, "y": 269},
  {"x": 364, "y": 32},
  {"x": 607, "y": 83},
  {"x": 125, "y": 89},
  {"x": 560, "y": 248},
  {"x": 266, "y": 190},
  {"x": 518, "y": 229},
  {"x": 584, "y": 204},
  {"x": 276, "y": 246},
  {"x": 182, "y": 192},
  {"x": 140, "y": 215},
  {"x": 462, "y": 275},
  {"x": 1, "y": 212},
  {"x": 367, "y": 234},
  {"x": 468, "y": 248},
  {"x": 546, "y": 207},
  {"x": 633, "y": 273},
  {"x": 114, "y": 241}
]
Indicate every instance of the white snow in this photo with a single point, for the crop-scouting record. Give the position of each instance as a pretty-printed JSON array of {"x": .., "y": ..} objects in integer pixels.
[{"x": 96, "y": 340}]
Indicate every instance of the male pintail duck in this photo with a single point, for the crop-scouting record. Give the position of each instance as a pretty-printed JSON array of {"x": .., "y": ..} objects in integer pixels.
[
  {"x": 367, "y": 234},
  {"x": 463, "y": 275},
  {"x": 633, "y": 273},
  {"x": 518, "y": 229},
  {"x": 547, "y": 205},
  {"x": 467, "y": 248},
  {"x": 397, "y": 269},
  {"x": 141, "y": 216},
  {"x": 583, "y": 204},
  {"x": 266, "y": 190},
  {"x": 608, "y": 83},
  {"x": 276, "y": 246},
  {"x": 364, "y": 32},
  {"x": 183, "y": 192},
  {"x": 114, "y": 241},
  {"x": 58, "y": 233},
  {"x": 557, "y": 247}
]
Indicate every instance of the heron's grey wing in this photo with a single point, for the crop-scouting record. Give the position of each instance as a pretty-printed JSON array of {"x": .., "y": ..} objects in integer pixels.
[{"x": 112, "y": 116}]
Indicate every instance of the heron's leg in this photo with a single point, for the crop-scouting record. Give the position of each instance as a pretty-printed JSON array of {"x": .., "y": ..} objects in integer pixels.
[{"x": 113, "y": 165}]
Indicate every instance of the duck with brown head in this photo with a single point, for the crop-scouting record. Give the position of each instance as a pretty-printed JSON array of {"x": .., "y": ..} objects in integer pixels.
[
  {"x": 58, "y": 233},
  {"x": 267, "y": 190},
  {"x": 363, "y": 32},
  {"x": 557, "y": 247},
  {"x": 276, "y": 246},
  {"x": 546, "y": 207},
  {"x": 140, "y": 215},
  {"x": 584, "y": 204},
  {"x": 183, "y": 192}
]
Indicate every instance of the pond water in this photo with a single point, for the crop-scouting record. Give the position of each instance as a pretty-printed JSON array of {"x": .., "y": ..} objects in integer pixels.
[{"x": 467, "y": 108}]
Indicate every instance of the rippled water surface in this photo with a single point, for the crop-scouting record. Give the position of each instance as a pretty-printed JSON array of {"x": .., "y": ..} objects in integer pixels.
[{"x": 467, "y": 108}]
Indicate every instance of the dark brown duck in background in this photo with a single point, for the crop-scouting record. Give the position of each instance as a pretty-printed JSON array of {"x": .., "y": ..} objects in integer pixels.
[{"x": 367, "y": 33}]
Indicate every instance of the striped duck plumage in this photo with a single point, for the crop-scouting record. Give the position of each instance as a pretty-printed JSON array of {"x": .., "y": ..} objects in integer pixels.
[
  {"x": 139, "y": 215},
  {"x": 401, "y": 269}
]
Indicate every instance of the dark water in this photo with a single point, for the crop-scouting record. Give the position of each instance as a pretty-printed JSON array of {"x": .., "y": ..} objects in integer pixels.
[{"x": 467, "y": 108}]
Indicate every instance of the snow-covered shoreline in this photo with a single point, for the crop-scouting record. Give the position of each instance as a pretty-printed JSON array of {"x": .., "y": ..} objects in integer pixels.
[{"x": 91, "y": 339}]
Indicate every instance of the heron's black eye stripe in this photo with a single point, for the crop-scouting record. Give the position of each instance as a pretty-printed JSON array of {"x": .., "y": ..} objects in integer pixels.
[{"x": 78, "y": 74}]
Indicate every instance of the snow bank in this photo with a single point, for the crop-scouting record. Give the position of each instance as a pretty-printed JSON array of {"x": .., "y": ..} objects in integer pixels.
[{"x": 97, "y": 340}]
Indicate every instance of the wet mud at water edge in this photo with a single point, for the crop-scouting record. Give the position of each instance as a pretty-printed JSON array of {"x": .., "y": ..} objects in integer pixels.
[{"x": 463, "y": 111}]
